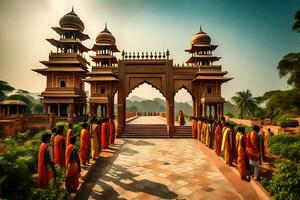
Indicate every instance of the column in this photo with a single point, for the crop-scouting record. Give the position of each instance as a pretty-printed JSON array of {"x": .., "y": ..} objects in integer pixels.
[
  {"x": 210, "y": 110},
  {"x": 46, "y": 108},
  {"x": 121, "y": 113},
  {"x": 170, "y": 116},
  {"x": 8, "y": 110},
  {"x": 205, "y": 109},
  {"x": 18, "y": 107},
  {"x": 221, "y": 109},
  {"x": 58, "y": 109},
  {"x": 216, "y": 111},
  {"x": 72, "y": 109}
]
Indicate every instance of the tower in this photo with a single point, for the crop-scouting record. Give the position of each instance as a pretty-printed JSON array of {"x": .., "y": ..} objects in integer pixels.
[
  {"x": 209, "y": 77},
  {"x": 102, "y": 79},
  {"x": 64, "y": 94}
]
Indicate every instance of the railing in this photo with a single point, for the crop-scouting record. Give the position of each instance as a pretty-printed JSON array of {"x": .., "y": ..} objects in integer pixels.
[{"x": 145, "y": 55}]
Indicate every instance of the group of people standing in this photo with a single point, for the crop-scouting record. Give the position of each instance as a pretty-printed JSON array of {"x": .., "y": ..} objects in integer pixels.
[
  {"x": 60, "y": 150},
  {"x": 233, "y": 146}
]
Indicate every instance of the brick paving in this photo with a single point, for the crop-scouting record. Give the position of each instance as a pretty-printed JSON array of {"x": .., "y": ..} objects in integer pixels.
[{"x": 163, "y": 169}]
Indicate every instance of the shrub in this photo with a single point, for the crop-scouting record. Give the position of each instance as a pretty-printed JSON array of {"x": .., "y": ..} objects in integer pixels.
[
  {"x": 288, "y": 123},
  {"x": 286, "y": 145},
  {"x": 229, "y": 114},
  {"x": 285, "y": 184}
]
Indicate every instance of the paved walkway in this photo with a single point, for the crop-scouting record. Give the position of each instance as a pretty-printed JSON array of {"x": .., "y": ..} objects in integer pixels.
[
  {"x": 148, "y": 120},
  {"x": 163, "y": 169},
  {"x": 154, "y": 120}
]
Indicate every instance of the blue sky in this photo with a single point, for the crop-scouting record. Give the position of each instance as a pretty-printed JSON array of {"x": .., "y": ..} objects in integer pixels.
[{"x": 252, "y": 35}]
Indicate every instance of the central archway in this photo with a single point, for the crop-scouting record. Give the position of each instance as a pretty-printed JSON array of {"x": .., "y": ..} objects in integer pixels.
[{"x": 145, "y": 104}]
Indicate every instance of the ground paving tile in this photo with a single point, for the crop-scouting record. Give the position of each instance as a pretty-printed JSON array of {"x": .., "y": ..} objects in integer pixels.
[{"x": 162, "y": 169}]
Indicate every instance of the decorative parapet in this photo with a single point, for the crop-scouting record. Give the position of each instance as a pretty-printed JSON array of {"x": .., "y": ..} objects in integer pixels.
[{"x": 145, "y": 55}]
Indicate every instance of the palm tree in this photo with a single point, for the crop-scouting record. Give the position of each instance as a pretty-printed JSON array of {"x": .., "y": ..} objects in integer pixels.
[
  {"x": 244, "y": 104},
  {"x": 5, "y": 88}
]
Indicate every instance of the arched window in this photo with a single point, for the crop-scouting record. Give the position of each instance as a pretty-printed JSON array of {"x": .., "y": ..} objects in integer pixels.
[{"x": 62, "y": 84}]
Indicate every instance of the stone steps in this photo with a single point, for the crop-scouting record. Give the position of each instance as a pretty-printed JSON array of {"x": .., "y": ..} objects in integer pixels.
[{"x": 155, "y": 131}]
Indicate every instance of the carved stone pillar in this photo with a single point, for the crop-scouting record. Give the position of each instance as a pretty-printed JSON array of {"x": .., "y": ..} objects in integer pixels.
[{"x": 170, "y": 117}]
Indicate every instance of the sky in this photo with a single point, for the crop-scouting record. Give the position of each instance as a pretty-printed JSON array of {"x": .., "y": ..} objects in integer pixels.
[{"x": 252, "y": 36}]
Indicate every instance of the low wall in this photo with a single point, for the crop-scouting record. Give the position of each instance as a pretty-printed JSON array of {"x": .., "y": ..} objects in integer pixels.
[
  {"x": 11, "y": 125},
  {"x": 246, "y": 122}
]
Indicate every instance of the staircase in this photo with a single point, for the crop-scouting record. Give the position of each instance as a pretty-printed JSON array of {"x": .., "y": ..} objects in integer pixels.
[
  {"x": 183, "y": 132},
  {"x": 145, "y": 131},
  {"x": 155, "y": 131}
]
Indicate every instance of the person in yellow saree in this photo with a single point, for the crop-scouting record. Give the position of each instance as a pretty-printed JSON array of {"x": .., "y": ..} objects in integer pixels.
[
  {"x": 72, "y": 166},
  {"x": 46, "y": 169},
  {"x": 241, "y": 141},
  {"x": 204, "y": 130},
  {"x": 227, "y": 144},
  {"x": 208, "y": 133},
  {"x": 199, "y": 127},
  {"x": 94, "y": 139},
  {"x": 181, "y": 120}
]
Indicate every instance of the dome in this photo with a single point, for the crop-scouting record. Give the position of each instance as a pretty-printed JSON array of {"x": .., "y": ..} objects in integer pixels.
[
  {"x": 71, "y": 20},
  {"x": 200, "y": 38},
  {"x": 105, "y": 37}
]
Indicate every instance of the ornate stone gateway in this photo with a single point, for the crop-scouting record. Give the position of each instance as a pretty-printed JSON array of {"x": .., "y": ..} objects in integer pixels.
[{"x": 66, "y": 69}]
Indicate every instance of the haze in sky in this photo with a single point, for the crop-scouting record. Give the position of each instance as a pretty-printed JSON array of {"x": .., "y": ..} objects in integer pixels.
[{"x": 252, "y": 35}]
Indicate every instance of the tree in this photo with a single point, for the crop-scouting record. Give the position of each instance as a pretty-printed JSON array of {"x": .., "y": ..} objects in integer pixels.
[
  {"x": 5, "y": 88},
  {"x": 289, "y": 66},
  {"x": 244, "y": 104},
  {"x": 296, "y": 25}
]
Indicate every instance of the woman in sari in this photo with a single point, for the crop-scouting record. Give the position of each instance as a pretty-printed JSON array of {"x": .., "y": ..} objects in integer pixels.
[
  {"x": 181, "y": 120},
  {"x": 59, "y": 147},
  {"x": 218, "y": 138},
  {"x": 104, "y": 133},
  {"x": 70, "y": 134},
  {"x": 72, "y": 166},
  {"x": 241, "y": 151},
  {"x": 84, "y": 145},
  {"x": 194, "y": 127},
  {"x": 94, "y": 139},
  {"x": 112, "y": 132}
]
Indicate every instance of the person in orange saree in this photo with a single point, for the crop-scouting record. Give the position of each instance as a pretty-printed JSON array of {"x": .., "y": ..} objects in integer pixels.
[
  {"x": 84, "y": 144},
  {"x": 199, "y": 127},
  {"x": 72, "y": 166},
  {"x": 227, "y": 144},
  {"x": 207, "y": 133},
  {"x": 94, "y": 139},
  {"x": 218, "y": 138},
  {"x": 241, "y": 151},
  {"x": 181, "y": 120},
  {"x": 46, "y": 169},
  {"x": 194, "y": 127},
  {"x": 70, "y": 133},
  {"x": 252, "y": 149},
  {"x": 59, "y": 147},
  {"x": 112, "y": 128},
  {"x": 104, "y": 133},
  {"x": 203, "y": 131}
]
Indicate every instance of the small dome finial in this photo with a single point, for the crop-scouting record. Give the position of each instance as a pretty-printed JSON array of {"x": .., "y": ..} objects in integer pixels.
[
  {"x": 72, "y": 9},
  {"x": 201, "y": 28},
  {"x": 105, "y": 25}
]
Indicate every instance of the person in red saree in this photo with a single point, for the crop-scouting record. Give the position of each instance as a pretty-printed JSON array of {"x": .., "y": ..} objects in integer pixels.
[
  {"x": 252, "y": 149},
  {"x": 59, "y": 147},
  {"x": 241, "y": 151},
  {"x": 181, "y": 120},
  {"x": 70, "y": 133},
  {"x": 84, "y": 150},
  {"x": 104, "y": 133},
  {"x": 94, "y": 139},
  {"x": 72, "y": 166},
  {"x": 112, "y": 128},
  {"x": 46, "y": 169},
  {"x": 218, "y": 138},
  {"x": 194, "y": 128}
]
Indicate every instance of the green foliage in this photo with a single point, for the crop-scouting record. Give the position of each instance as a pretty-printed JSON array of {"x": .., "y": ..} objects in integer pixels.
[
  {"x": 37, "y": 108},
  {"x": 289, "y": 67},
  {"x": 296, "y": 25},
  {"x": 5, "y": 88},
  {"x": 285, "y": 184},
  {"x": 289, "y": 123},
  {"x": 244, "y": 104},
  {"x": 229, "y": 115},
  {"x": 286, "y": 145}
]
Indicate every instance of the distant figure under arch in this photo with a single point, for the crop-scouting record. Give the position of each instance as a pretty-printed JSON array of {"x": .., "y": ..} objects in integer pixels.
[{"x": 181, "y": 120}]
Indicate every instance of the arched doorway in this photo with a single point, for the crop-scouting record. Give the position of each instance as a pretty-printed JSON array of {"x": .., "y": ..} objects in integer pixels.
[
  {"x": 183, "y": 102},
  {"x": 146, "y": 103}
]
